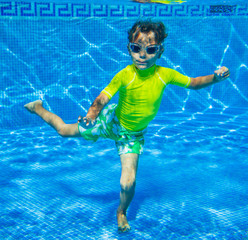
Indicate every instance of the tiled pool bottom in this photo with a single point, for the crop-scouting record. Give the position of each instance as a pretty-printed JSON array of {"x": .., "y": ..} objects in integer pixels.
[{"x": 191, "y": 182}]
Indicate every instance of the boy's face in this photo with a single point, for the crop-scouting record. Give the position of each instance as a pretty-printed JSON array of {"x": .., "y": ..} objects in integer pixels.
[{"x": 142, "y": 60}]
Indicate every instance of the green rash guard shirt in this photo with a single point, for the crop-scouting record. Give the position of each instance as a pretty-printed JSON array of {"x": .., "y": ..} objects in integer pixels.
[{"x": 140, "y": 93}]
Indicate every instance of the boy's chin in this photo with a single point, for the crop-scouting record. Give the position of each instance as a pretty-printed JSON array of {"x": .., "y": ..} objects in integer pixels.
[{"x": 142, "y": 67}]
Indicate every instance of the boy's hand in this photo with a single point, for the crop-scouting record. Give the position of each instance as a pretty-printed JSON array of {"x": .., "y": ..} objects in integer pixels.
[
  {"x": 86, "y": 122},
  {"x": 221, "y": 74}
]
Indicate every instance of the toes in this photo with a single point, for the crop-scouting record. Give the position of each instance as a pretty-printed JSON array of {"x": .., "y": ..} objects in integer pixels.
[
  {"x": 29, "y": 107},
  {"x": 125, "y": 228}
]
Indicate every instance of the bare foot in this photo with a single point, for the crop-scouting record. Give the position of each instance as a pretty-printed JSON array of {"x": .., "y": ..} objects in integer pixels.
[
  {"x": 123, "y": 225},
  {"x": 32, "y": 105}
]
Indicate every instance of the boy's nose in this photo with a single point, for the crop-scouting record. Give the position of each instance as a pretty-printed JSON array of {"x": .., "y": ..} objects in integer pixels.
[{"x": 142, "y": 53}]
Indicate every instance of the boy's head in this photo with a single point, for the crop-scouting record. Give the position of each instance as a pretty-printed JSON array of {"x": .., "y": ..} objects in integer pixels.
[
  {"x": 145, "y": 43},
  {"x": 145, "y": 27}
]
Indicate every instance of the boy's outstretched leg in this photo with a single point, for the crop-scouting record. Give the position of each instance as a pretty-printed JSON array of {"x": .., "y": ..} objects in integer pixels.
[
  {"x": 65, "y": 130},
  {"x": 129, "y": 164}
]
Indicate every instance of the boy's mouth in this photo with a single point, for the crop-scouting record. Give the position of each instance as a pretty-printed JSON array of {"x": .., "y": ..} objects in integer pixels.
[{"x": 139, "y": 62}]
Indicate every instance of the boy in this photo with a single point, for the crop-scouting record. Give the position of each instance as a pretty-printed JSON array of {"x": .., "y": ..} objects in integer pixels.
[{"x": 140, "y": 87}]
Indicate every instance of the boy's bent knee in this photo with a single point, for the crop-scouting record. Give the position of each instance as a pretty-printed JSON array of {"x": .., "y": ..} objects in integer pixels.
[
  {"x": 68, "y": 130},
  {"x": 62, "y": 132}
]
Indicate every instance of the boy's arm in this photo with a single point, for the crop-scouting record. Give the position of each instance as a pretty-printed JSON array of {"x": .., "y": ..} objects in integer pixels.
[
  {"x": 99, "y": 103},
  {"x": 201, "y": 82}
]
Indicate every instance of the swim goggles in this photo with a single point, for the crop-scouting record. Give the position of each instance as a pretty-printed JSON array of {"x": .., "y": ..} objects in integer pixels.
[{"x": 136, "y": 48}]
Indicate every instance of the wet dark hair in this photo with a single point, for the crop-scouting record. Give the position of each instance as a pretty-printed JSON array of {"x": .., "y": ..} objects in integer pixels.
[{"x": 148, "y": 26}]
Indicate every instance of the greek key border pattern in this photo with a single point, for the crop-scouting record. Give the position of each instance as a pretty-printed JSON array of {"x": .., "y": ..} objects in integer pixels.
[{"x": 69, "y": 10}]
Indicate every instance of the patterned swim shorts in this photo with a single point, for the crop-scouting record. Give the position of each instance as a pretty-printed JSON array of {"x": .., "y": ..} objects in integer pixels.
[{"x": 108, "y": 126}]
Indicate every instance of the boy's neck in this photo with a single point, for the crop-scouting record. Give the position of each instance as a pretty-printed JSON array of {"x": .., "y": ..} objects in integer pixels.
[{"x": 146, "y": 72}]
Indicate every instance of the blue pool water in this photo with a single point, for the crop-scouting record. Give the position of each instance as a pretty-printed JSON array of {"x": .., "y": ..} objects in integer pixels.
[{"x": 192, "y": 178}]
